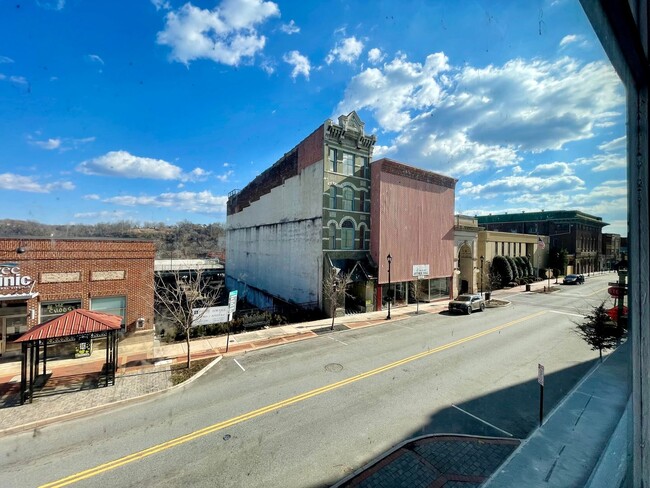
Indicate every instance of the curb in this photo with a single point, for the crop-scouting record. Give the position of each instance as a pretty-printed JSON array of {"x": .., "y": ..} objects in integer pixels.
[
  {"x": 37, "y": 424},
  {"x": 373, "y": 462}
]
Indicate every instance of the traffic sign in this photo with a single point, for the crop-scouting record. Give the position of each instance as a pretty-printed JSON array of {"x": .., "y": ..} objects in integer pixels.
[{"x": 617, "y": 291}]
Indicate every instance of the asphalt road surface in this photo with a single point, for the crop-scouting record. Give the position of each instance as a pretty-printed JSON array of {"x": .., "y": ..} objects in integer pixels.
[{"x": 308, "y": 413}]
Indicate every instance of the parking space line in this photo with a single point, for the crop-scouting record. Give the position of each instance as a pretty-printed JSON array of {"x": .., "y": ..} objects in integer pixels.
[
  {"x": 481, "y": 420},
  {"x": 330, "y": 337},
  {"x": 242, "y": 368}
]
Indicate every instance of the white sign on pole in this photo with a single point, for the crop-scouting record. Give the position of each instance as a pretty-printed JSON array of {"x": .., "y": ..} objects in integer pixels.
[
  {"x": 232, "y": 304},
  {"x": 209, "y": 315},
  {"x": 540, "y": 374},
  {"x": 420, "y": 270}
]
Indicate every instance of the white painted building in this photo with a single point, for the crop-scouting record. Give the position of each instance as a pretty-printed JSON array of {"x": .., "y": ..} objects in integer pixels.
[{"x": 310, "y": 207}]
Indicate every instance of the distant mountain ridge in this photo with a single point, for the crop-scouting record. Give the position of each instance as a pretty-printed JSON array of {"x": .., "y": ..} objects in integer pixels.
[{"x": 182, "y": 240}]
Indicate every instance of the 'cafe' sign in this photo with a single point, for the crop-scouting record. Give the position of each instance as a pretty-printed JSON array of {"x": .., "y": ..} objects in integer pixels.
[{"x": 10, "y": 277}]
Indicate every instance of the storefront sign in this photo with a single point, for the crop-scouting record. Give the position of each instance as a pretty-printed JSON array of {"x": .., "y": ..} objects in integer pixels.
[
  {"x": 59, "y": 308},
  {"x": 11, "y": 278},
  {"x": 420, "y": 270}
]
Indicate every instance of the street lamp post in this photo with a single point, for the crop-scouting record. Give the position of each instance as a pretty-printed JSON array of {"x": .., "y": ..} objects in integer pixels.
[
  {"x": 390, "y": 297},
  {"x": 482, "y": 259}
]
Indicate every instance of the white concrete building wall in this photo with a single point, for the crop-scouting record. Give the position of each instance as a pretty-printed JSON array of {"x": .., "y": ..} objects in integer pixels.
[{"x": 275, "y": 244}]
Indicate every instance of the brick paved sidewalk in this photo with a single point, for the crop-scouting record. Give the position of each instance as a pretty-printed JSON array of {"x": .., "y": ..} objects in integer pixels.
[{"x": 436, "y": 461}]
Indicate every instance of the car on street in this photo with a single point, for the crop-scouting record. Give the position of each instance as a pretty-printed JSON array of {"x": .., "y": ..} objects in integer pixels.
[
  {"x": 467, "y": 304},
  {"x": 573, "y": 279}
]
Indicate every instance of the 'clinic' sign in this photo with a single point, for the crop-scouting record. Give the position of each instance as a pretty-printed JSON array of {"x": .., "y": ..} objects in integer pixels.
[{"x": 10, "y": 277}]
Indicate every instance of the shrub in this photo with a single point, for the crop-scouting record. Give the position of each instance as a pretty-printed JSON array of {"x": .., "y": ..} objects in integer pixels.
[
  {"x": 501, "y": 268},
  {"x": 513, "y": 267}
]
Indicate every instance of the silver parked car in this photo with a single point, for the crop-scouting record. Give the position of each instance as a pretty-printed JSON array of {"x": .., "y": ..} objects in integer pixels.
[{"x": 467, "y": 304}]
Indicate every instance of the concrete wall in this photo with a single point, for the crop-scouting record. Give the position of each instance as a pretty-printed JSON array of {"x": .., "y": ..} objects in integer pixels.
[
  {"x": 412, "y": 216},
  {"x": 275, "y": 244}
]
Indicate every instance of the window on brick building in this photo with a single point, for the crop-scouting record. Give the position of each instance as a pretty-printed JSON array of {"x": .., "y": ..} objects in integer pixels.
[
  {"x": 50, "y": 310},
  {"x": 347, "y": 235},
  {"x": 332, "y": 196},
  {"x": 332, "y": 236},
  {"x": 332, "y": 159},
  {"x": 112, "y": 305},
  {"x": 348, "y": 198},
  {"x": 348, "y": 164}
]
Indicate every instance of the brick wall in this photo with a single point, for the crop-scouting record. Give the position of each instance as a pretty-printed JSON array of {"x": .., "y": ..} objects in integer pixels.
[{"x": 49, "y": 260}]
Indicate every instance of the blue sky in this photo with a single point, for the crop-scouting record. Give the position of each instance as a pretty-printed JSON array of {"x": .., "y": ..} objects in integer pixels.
[{"x": 153, "y": 110}]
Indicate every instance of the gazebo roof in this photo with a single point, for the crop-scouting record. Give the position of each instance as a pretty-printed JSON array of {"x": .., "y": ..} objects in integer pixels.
[{"x": 75, "y": 322}]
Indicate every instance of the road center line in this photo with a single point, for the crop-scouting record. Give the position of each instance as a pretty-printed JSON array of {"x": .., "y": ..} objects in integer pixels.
[
  {"x": 481, "y": 420},
  {"x": 242, "y": 368},
  {"x": 136, "y": 456}
]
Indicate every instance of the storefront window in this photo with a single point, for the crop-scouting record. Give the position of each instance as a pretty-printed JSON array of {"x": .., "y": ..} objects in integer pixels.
[
  {"x": 112, "y": 305},
  {"x": 50, "y": 310}
]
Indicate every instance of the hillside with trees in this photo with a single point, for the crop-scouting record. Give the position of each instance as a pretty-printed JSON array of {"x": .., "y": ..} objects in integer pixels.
[{"x": 183, "y": 240}]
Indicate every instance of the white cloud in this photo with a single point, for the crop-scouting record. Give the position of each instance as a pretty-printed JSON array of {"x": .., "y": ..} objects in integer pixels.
[
  {"x": 568, "y": 39},
  {"x": 618, "y": 144},
  {"x": 300, "y": 63},
  {"x": 60, "y": 143},
  {"x": 161, "y": 4},
  {"x": 463, "y": 119},
  {"x": 51, "y": 4},
  {"x": 226, "y": 176},
  {"x": 346, "y": 51},
  {"x": 5, "y": 59},
  {"x": 290, "y": 28},
  {"x": 49, "y": 144},
  {"x": 375, "y": 55},
  {"x": 200, "y": 202},
  {"x": 552, "y": 169},
  {"x": 91, "y": 196},
  {"x": 94, "y": 58},
  {"x": 104, "y": 214},
  {"x": 124, "y": 165},
  {"x": 226, "y": 34},
  {"x": 515, "y": 185},
  {"x": 10, "y": 181}
]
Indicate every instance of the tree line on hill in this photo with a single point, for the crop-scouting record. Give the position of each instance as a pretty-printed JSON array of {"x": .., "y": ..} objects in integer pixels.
[{"x": 183, "y": 240}]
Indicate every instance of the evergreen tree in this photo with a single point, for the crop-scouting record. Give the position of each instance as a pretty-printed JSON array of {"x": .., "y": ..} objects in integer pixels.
[{"x": 600, "y": 331}]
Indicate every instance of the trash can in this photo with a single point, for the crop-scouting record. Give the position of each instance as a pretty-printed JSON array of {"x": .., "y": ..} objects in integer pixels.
[
  {"x": 527, "y": 286},
  {"x": 488, "y": 294}
]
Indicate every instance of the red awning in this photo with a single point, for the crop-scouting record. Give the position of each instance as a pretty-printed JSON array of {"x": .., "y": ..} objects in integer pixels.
[{"x": 76, "y": 322}]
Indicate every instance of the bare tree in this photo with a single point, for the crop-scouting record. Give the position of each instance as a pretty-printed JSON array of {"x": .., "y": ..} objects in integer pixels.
[
  {"x": 179, "y": 294},
  {"x": 335, "y": 286}
]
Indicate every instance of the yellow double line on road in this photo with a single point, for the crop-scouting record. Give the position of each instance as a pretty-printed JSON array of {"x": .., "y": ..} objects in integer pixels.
[{"x": 270, "y": 408}]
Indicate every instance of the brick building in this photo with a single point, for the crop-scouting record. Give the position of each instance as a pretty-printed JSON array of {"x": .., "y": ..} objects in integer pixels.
[
  {"x": 43, "y": 278},
  {"x": 307, "y": 212},
  {"x": 577, "y": 232}
]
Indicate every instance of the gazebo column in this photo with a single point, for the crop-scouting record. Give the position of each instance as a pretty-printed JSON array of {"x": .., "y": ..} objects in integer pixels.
[
  {"x": 31, "y": 371},
  {"x": 107, "y": 365},
  {"x": 44, "y": 356},
  {"x": 23, "y": 373}
]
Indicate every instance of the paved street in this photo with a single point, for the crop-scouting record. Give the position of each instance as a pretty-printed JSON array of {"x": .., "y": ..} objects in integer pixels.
[{"x": 309, "y": 413}]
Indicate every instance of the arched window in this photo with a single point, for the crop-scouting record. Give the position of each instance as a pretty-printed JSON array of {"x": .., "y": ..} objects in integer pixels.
[
  {"x": 347, "y": 235},
  {"x": 363, "y": 232},
  {"x": 348, "y": 198},
  {"x": 332, "y": 236},
  {"x": 332, "y": 196}
]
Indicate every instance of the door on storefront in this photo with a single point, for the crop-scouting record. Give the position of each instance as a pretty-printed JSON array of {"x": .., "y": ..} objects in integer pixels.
[{"x": 11, "y": 327}]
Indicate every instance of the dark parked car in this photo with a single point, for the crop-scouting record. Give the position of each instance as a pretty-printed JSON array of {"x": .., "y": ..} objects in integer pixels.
[
  {"x": 573, "y": 279},
  {"x": 467, "y": 304}
]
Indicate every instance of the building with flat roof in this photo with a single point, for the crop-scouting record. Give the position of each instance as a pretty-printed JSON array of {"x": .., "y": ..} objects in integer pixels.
[
  {"x": 42, "y": 278},
  {"x": 577, "y": 232}
]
